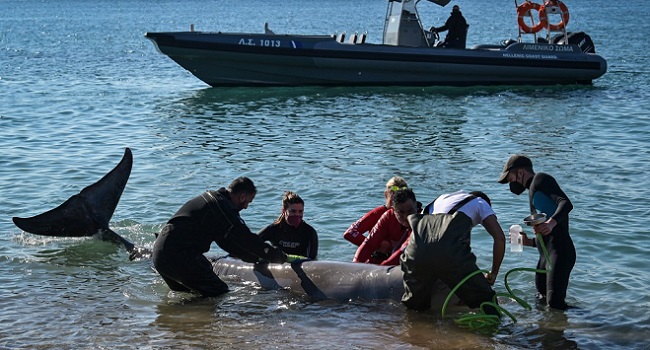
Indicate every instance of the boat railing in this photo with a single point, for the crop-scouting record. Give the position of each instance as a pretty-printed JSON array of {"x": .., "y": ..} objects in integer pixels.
[{"x": 556, "y": 10}]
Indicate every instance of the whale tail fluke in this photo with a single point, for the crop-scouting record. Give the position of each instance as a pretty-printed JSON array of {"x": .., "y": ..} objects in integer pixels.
[
  {"x": 70, "y": 219},
  {"x": 88, "y": 212}
]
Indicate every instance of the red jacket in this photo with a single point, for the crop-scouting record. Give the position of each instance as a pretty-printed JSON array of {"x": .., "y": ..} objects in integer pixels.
[
  {"x": 393, "y": 259},
  {"x": 355, "y": 232},
  {"x": 386, "y": 229}
]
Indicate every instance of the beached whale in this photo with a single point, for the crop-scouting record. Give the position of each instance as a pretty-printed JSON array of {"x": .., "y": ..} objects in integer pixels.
[
  {"x": 88, "y": 214},
  {"x": 342, "y": 281}
]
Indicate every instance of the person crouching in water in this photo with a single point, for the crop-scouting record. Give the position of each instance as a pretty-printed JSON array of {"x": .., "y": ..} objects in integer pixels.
[
  {"x": 439, "y": 248},
  {"x": 393, "y": 227},
  {"x": 290, "y": 232},
  {"x": 210, "y": 217},
  {"x": 355, "y": 233}
]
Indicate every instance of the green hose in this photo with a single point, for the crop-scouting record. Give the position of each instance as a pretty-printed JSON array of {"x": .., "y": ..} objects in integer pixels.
[{"x": 482, "y": 320}]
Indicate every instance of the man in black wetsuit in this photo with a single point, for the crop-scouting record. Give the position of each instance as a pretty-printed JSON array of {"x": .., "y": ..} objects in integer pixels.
[
  {"x": 545, "y": 196},
  {"x": 210, "y": 217},
  {"x": 457, "y": 29}
]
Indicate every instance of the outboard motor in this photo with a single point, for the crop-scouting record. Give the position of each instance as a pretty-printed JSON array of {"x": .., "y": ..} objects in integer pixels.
[{"x": 578, "y": 38}]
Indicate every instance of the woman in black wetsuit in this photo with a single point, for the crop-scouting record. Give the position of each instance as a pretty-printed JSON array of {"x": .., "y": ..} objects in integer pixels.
[
  {"x": 290, "y": 232},
  {"x": 545, "y": 196}
]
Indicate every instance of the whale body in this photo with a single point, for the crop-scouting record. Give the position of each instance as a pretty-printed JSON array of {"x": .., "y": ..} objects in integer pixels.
[{"x": 342, "y": 281}]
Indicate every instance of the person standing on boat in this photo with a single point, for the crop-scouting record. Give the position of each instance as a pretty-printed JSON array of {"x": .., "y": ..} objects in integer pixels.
[
  {"x": 393, "y": 227},
  {"x": 456, "y": 27},
  {"x": 545, "y": 196},
  {"x": 210, "y": 217},
  {"x": 290, "y": 232},
  {"x": 439, "y": 248},
  {"x": 355, "y": 233}
]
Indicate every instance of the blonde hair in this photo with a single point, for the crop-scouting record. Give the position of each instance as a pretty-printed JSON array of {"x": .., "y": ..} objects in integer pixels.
[{"x": 396, "y": 181}]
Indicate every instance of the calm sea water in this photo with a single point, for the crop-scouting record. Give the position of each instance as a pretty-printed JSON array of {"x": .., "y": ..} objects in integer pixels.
[{"x": 79, "y": 83}]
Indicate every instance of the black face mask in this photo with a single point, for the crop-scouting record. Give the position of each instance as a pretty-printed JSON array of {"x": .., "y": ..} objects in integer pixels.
[{"x": 516, "y": 187}]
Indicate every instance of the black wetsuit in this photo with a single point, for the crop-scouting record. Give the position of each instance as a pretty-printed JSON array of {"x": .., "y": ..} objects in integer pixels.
[
  {"x": 546, "y": 196},
  {"x": 439, "y": 248},
  {"x": 298, "y": 241},
  {"x": 210, "y": 217},
  {"x": 457, "y": 30}
]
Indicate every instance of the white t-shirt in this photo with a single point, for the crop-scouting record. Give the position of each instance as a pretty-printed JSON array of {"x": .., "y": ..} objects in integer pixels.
[{"x": 477, "y": 209}]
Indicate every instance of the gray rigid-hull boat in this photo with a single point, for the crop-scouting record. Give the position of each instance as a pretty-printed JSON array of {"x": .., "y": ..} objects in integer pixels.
[{"x": 409, "y": 55}]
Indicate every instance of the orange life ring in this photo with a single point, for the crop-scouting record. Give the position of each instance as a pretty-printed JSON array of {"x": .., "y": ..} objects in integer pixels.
[
  {"x": 523, "y": 11},
  {"x": 543, "y": 15}
]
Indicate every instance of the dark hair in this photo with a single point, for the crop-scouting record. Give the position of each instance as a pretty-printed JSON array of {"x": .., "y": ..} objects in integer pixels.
[
  {"x": 482, "y": 195},
  {"x": 288, "y": 199},
  {"x": 242, "y": 184},
  {"x": 401, "y": 196}
]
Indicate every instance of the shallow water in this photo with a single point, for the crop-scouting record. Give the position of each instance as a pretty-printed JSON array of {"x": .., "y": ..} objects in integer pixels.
[{"x": 79, "y": 83}]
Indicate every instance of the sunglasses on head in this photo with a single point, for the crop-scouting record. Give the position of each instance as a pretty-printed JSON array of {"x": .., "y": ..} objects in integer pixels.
[{"x": 397, "y": 188}]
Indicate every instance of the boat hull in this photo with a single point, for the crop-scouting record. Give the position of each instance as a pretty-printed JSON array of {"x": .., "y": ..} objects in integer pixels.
[
  {"x": 318, "y": 279},
  {"x": 243, "y": 59}
]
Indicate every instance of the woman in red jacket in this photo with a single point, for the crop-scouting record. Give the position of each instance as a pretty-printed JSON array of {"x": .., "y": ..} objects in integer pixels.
[
  {"x": 355, "y": 233},
  {"x": 393, "y": 227}
]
